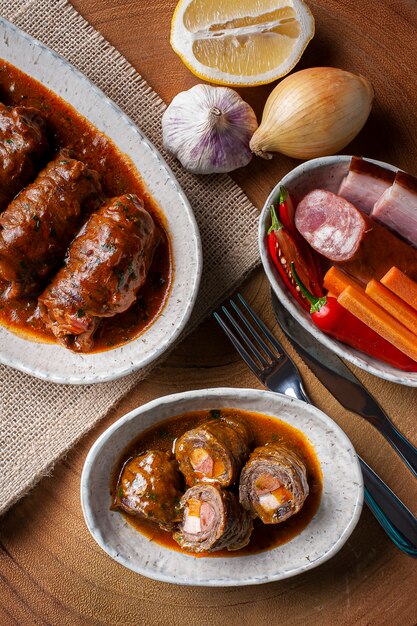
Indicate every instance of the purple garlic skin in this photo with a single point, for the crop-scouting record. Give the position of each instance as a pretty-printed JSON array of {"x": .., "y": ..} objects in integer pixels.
[{"x": 208, "y": 129}]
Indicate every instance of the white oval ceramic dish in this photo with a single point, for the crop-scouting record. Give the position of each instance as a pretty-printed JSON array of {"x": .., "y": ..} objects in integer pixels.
[
  {"x": 339, "y": 510},
  {"x": 53, "y": 362},
  {"x": 324, "y": 173}
]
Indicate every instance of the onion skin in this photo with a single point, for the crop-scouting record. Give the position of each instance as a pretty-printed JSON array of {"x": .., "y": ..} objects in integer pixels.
[{"x": 312, "y": 113}]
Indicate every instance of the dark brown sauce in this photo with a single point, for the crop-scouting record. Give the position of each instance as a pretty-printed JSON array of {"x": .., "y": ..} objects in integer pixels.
[
  {"x": 264, "y": 428},
  {"x": 68, "y": 129}
]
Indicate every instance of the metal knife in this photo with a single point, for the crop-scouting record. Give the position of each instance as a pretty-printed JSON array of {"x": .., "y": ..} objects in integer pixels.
[{"x": 342, "y": 384}]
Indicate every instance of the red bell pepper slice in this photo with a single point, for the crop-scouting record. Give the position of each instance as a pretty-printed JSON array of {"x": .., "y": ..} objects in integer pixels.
[{"x": 334, "y": 320}]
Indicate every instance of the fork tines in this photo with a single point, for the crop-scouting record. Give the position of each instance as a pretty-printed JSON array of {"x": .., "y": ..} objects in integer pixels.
[{"x": 255, "y": 344}]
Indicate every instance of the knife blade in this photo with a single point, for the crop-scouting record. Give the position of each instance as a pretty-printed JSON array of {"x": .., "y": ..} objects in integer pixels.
[{"x": 342, "y": 383}]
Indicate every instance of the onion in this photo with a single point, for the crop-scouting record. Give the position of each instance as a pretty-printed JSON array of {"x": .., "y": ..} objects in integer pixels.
[{"x": 312, "y": 113}]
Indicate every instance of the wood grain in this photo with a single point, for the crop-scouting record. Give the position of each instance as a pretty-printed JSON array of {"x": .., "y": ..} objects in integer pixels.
[{"x": 51, "y": 570}]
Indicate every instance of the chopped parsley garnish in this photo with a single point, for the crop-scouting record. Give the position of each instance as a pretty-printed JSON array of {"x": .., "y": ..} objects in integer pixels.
[
  {"x": 9, "y": 141},
  {"x": 37, "y": 222},
  {"x": 159, "y": 279},
  {"x": 120, "y": 277},
  {"x": 165, "y": 434},
  {"x": 80, "y": 313},
  {"x": 108, "y": 246},
  {"x": 121, "y": 492},
  {"x": 215, "y": 413}
]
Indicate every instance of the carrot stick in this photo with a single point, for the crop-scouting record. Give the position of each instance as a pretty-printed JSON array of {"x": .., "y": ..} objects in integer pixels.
[
  {"x": 361, "y": 306},
  {"x": 393, "y": 305},
  {"x": 335, "y": 281},
  {"x": 401, "y": 285}
]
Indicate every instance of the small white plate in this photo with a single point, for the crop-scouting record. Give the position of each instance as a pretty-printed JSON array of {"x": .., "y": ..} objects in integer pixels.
[
  {"x": 323, "y": 173},
  {"x": 337, "y": 516},
  {"x": 53, "y": 362}
]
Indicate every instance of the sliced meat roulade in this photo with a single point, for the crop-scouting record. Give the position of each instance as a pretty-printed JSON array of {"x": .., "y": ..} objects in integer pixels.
[
  {"x": 150, "y": 486},
  {"x": 340, "y": 232},
  {"x": 214, "y": 451},
  {"x": 23, "y": 144},
  {"x": 106, "y": 265},
  {"x": 273, "y": 483},
  {"x": 212, "y": 520},
  {"x": 40, "y": 222}
]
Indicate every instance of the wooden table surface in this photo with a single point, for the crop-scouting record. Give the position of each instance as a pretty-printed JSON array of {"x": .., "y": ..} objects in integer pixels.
[{"x": 51, "y": 570}]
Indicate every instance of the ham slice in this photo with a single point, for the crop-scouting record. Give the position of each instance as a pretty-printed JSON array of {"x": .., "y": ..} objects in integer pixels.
[
  {"x": 365, "y": 184},
  {"x": 397, "y": 207}
]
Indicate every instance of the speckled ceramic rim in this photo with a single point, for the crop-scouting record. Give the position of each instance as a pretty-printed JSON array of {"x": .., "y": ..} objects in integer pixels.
[
  {"x": 53, "y": 362},
  {"x": 305, "y": 176},
  {"x": 338, "y": 514}
]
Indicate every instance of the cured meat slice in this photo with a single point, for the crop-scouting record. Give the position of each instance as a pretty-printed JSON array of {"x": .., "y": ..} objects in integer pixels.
[
  {"x": 23, "y": 144},
  {"x": 149, "y": 486},
  {"x": 40, "y": 222},
  {"x": 397, "y": 207},
  {"x": 365, "y": 184},
  {"x": 330, "y": 224},
  {"x": 212, "y": 520},
  {"x": 357, "y": 243},
  {"x": 107, "y": 263},
  {"x": 214, "y": 451},
  {"x": 273, "y": 484}
]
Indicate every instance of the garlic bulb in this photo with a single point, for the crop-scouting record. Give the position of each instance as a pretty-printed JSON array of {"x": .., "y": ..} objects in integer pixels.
[
  {"x": 208, "y": 129},
  {"x": 312, "y": 113}
]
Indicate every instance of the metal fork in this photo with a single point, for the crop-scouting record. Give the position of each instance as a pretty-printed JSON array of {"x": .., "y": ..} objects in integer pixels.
[{"x": 270, "y": 363}]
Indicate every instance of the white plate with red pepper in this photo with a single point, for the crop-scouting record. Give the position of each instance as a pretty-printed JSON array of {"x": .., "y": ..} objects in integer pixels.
[{"x": 325, "y": 173}]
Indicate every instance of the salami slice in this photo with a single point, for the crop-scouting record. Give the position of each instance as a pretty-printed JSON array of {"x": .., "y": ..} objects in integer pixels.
[
  {"x": 340, "y": 232},
  {"x": 330, "y": 224}
]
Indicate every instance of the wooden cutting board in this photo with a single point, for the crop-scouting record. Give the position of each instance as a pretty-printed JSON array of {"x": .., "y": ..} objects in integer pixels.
[{"x": 51, "y": 571}]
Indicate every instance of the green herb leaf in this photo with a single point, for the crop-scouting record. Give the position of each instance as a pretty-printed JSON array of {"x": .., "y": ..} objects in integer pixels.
[
  {"x": 215, "y": 414},
  {"x": 37, "y": 222},
  {"x": 80, "y": 313}
]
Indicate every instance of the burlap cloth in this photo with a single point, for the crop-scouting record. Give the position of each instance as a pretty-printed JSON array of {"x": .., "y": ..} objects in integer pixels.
[{"x": 39, "y": 421}]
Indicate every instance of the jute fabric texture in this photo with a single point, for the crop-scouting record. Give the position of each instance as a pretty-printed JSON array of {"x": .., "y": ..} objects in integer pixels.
[{"x": 40, "y": 421}]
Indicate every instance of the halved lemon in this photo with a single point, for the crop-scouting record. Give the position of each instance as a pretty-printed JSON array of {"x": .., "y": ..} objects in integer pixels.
[{"x": 241, "y": 42}]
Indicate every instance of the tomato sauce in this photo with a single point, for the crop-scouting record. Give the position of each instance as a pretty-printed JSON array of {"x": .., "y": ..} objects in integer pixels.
[
  {"x": 264, "y": 428},
  {"x": 69, "y": 130}
]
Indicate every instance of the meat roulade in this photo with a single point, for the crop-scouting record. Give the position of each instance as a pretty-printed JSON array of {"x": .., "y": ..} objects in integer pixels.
[
  {"x": 40, "y": 222},
  {"x": 106, "y": 265},
  {"x": 273, "y": 484},
  {"x": 23, "y": 143},
  {"x": 212, "y": 520},
  {"x": 214, "y": 451},
  {"x": 340, "y": 232},
  {"x": 150, "y": 486}
]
